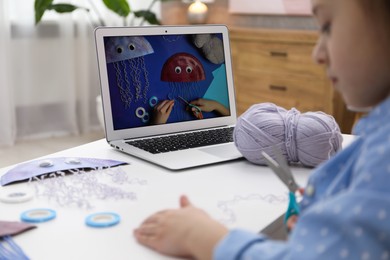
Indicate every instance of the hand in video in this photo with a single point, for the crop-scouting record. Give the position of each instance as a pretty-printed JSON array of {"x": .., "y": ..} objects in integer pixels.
[
  {"x": 208, "y": 105},
  {"x": 162, "y": 111}
]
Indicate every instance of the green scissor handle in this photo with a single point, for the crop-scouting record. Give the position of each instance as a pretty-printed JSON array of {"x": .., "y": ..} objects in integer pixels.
[
  {"x": 197, "y": 111},
  {"x": 293, "y": 207}
]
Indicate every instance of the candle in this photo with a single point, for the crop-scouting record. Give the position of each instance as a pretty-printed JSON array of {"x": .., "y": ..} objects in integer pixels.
[{"x": 197, "y": 12}]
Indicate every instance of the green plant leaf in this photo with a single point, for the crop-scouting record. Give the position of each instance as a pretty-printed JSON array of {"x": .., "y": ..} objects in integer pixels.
[
  {"x": 40, "y": 7},
  {"x": 65, "y": 8},
  {"x": 149, "y": 16},
  {"x": 120, "y": 7}
]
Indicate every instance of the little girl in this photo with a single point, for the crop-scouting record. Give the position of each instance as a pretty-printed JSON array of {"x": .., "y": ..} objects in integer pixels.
[{"x": 346, "y": 214}]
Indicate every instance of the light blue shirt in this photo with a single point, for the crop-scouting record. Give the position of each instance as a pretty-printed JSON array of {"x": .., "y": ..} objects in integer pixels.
[{"x": 347, "y": 216}]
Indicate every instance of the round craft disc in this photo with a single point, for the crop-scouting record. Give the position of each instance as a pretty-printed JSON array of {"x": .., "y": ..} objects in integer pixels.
[
  {"x": 38, "y": 215},
  {"x": 16, "y": 196},
  {"x": 103, "y": 219}
]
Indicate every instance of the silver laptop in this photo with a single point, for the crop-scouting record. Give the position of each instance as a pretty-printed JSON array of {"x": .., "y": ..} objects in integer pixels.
[{"x": 168, "y": 94}]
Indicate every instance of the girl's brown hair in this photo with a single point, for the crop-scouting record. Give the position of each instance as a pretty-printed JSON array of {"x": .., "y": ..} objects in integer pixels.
[{"x": 380, "y": 8}]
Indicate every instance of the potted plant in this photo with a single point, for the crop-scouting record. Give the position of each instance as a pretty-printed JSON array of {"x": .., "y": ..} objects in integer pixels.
[{"x": 120, "y": 7}]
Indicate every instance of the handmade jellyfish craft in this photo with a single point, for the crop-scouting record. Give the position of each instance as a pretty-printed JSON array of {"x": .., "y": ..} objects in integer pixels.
[
  {"x": 182, "y": 71},
  {"x": 127, "y": 55},
  {"x": 182, "y": 67}
]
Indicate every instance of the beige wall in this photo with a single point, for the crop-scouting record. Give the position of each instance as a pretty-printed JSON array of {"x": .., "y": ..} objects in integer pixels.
[{"x": 174, "y": 12}]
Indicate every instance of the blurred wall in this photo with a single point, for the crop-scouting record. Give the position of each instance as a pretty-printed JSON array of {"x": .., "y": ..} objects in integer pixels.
[{"x": 175, "y": 12}]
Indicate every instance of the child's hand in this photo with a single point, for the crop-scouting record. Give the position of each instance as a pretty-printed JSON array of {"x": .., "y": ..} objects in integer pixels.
[
  {"x": 185, "y": 232},
  {"x": 162, "y": 111},
  {"x": 291, "y": 221},
  {"x": 205, "y": 104},
  {"x": 208, "y": 105}
]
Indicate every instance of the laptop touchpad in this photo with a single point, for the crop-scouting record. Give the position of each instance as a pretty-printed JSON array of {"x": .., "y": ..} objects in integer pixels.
[{"x": 223, "y": 151}]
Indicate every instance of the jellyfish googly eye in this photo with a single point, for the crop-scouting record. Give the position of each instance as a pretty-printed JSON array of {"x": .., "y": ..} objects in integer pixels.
[
  {"x": 131, "y": 47},
  {"x": 119, "y": 49},
  {"x": 178, "y": 70},
  {"x": 189, "y": 69}
]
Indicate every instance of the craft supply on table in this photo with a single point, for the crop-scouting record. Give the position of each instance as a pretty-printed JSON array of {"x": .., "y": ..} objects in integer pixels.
[
  {"x": 309, "y": 138},
  {"x": 10, "y": 250},
  {"x": 31, "y": 169},
  {"x": 38, "y": 215},
  {"x": 83, "y": 188},
  {"x": 102, "y": 219},
  {"x": 11, "y": 196},
  {"x": 8, "y": 228},
  {"x": 226, "y": 206},
  {"x": 282, "y": 170}
]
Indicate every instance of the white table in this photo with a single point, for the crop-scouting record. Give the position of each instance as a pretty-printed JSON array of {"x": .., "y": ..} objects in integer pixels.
[{"x": 237, "y": 193}]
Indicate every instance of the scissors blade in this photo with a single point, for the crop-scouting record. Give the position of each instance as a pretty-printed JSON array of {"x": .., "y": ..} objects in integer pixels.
[
  {"x": 185, "y": 101},
  {"x": 280, "y": 158},
  {"x": 275, "y": 167},
  {"x": 197, "y": 113},
  {"x": 292, "y": 185},
  {"x": 282, "y": 171}
]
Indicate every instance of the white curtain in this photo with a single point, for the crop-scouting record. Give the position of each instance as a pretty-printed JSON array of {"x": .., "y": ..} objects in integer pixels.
[
  {"x": 7, "y": 113},
  {"x": 48, "y": 73}
]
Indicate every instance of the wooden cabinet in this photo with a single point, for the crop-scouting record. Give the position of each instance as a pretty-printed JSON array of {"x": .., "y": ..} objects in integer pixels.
[{"x": 276, "y": 66}]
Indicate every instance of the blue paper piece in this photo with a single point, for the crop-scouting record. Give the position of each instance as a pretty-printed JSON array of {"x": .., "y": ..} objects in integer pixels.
[
  {"x": 35, "y": 168},
  {"x": 10, "y": 250}
]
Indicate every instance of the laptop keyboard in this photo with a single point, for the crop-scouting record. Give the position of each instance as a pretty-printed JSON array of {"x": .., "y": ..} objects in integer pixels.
[{"x": 184, "y": 141}]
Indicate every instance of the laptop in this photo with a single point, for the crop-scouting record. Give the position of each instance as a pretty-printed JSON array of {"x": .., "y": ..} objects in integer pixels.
[{"x": 167, "y": 92}]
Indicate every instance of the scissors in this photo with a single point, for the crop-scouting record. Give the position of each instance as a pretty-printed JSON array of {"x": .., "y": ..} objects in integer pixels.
[
  {"x": 282, "y": 170},
  {"x": 197, "y": 113}
]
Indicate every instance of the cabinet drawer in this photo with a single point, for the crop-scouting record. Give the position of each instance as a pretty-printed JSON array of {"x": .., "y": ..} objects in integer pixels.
[
  {"x": 274, "y": 56},
  {"x": 276, "y": 66},
  {"x": 304, "y": 94},
  {"x": 247, "y": 102}
]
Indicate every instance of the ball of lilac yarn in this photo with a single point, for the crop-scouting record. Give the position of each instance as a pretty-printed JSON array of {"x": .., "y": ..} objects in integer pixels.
[{"x": 309, "y": 138}]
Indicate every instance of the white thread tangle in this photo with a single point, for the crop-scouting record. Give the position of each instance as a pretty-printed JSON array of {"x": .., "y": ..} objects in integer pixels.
[
  {"x": 81, "y": 187},
  {"x": 226, "y": 205}
]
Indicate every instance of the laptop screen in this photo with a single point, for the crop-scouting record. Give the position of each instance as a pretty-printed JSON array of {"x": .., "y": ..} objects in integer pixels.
[{"x": 166, "y": 79}]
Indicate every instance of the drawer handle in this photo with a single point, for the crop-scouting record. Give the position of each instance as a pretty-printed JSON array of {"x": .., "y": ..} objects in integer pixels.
[
  {"x": 277, "y": 88},
  {"x": 279, "y": 54}
]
